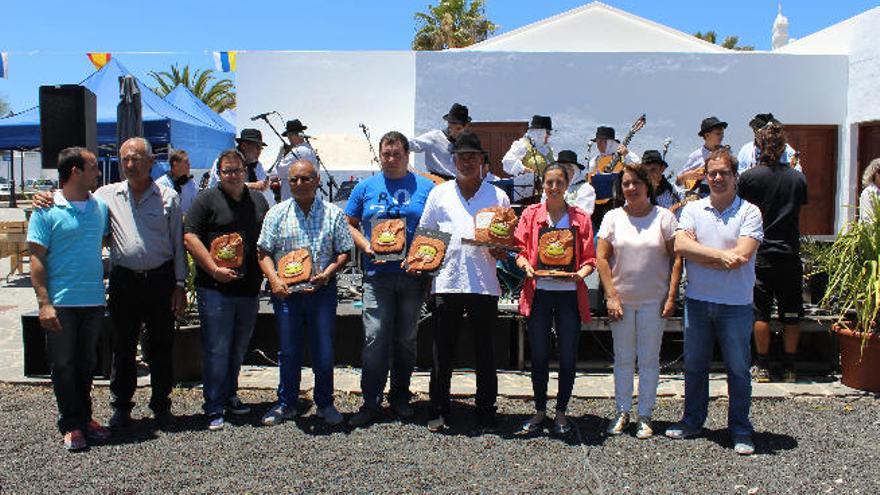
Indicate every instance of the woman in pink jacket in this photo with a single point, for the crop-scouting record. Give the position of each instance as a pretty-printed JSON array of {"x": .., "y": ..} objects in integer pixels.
[{"x": 545, "y": 299}]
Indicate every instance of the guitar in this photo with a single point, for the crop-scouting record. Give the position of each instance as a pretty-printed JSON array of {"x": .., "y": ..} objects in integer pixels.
[{"x": 614, "y": 162}]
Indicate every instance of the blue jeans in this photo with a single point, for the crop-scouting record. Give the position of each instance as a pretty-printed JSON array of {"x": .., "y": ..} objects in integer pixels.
[
  {"x": 317, "y": 312},
  {"x": 392, "y": 305},
  {"x": 732, "y": 326},
  {"x": 548, "y": 306},
  {"x": 227, "y": 327}
]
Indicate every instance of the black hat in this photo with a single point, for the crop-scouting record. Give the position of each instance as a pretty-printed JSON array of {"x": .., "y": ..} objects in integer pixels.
[
  {"x": 761, "y": 120},
  {"x": 710, "y": 123},
  {"x": 603, "y": 132},
  {"x": 467, "y": 142},
  {"x": 252, "y": 135},
  {"x": 653, "y": 156},
  {"x": 458, "y": 114},
  {"x": 294, "y": 126},
  {"x": 568, "y": 156},
  {"x": 541, "y": 122}
]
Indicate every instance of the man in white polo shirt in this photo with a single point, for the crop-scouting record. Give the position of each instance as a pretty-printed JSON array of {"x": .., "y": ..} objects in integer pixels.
[
  {"x": 718, "y": 237},
  {"x": 466, "y": 283}
]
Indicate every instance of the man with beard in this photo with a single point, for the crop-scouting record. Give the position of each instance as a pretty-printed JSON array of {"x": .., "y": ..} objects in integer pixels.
[
  {"x": 607, "y": 145},
  {"x": 437, "y": 144},
  {"x": 693, "y": 172}
]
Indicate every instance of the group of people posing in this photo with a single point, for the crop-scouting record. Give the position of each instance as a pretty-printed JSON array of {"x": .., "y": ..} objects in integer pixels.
[{"x": 747, "y": 224}]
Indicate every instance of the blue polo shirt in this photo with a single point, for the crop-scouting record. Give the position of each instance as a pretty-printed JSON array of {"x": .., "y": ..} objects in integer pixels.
[
  {"x": 379, "y": 198},
  {"x": 73, "y": 239},
  {"x": 721, "y": 230}
]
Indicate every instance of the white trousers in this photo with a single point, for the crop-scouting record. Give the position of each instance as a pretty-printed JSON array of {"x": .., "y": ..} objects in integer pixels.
[{"x": 637, "y": 335}]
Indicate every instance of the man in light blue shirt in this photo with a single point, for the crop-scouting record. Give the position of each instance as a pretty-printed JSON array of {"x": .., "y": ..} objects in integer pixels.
[
  {"x": 68, "y": 277},
  {"x": 718, "y": 237}
]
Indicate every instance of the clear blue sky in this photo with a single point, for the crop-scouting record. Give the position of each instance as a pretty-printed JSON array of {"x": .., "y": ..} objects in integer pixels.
[{"x": 47, "y": 39}]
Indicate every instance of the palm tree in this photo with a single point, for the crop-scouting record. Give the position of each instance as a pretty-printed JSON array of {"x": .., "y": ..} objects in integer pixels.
[
  {"x": 730, "y": 42},
  {"x": 219, "y": 95},
  {"x": 452, "y": 24}
]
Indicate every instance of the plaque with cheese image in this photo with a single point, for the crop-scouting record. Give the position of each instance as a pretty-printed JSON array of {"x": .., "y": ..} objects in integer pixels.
[
  {"x": 556, "y": 252},
  {"x": 427, "y": 250},
  {"x": 388, "y": 239},
  {"x": 295, "y": 268}
]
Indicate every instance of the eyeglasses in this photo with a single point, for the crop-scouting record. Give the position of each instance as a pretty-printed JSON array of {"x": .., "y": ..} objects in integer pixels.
[
  {"x": 301, "y": 179},
  {"x": 719, "y": 173},
  {"x": 232, "y": 171}
]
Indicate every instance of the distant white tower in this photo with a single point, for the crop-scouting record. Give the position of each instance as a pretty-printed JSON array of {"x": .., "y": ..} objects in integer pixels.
[{"x": 780, "y": 30}]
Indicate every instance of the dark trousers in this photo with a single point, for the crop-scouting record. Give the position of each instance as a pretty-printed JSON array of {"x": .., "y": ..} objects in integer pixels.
[
  {"x": 547, "y": 306},
  {"x": 449, "y": 314},
  {"x": 72, "y": 353},
  {"x": 136, "y": 299}
]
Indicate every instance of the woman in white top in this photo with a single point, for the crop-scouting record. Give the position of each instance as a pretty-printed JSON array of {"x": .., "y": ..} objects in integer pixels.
[
  {"x": 871, "y": 192},
  {"x": 640, "y": 275}
]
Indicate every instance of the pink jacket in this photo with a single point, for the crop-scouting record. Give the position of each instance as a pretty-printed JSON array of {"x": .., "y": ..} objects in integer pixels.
[{"x": 533, "y": 218}]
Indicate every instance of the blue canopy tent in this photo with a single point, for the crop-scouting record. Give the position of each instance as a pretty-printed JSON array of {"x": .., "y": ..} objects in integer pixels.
[
  {"x": 184, "y": 99},
  {"x": 165, "y": 125}
]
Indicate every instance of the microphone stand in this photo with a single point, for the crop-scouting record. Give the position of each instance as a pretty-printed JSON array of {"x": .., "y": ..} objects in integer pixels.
[{"x": 330, "y": 181}]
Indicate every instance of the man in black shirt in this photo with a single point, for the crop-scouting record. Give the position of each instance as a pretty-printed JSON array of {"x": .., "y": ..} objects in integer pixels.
[
  {"x": 228, "y": 280},
  {"x": 779, "y": 191}
]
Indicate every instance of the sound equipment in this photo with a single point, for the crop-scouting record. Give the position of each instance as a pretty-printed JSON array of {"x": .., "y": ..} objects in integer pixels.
[{"x": 68, "y": 117}]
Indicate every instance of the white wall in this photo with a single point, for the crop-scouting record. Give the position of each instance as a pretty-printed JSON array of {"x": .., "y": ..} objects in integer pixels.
[
  {"x": 581, "y": 91},
  {"x": 331, "y": 93}
]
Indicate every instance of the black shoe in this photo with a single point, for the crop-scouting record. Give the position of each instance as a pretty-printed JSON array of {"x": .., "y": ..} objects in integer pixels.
[
  {"x": 163, "y": 419},
  {"x": 486, "y": 420},
  {"x": 120, "y": 419},
  {"x": 303, "y": 406}
]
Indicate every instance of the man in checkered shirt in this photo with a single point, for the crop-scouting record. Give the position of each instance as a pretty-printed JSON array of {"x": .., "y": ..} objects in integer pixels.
[{"x": 305, "y": 221}]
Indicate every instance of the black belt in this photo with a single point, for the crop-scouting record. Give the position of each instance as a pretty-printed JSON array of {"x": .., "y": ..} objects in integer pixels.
[{"x": 162, "y": 269}]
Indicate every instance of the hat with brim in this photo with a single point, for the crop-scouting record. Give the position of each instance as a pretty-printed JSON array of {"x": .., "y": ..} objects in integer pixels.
[
  {"x": 458, "y": 114},
  {"x": 653, "y": 156},
  {"x": 761, "y": 120},
  {"x": 252, "y": 136},
  {"x": 710, "y": 123},
  {"x": 294, "y": 127},
  {"x": 603, "y": 132},
  {"x": 467, "y": 142},
  {"x": 568, "y": 157},
  {"x": 541, "y": 122}
]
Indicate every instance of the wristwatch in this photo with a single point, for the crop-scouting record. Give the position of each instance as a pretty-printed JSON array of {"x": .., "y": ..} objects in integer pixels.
[{"x": 181, "y": 283}]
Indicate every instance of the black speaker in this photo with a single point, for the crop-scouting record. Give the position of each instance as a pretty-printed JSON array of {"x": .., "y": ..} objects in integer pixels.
[{"x": 68, "y": 117}]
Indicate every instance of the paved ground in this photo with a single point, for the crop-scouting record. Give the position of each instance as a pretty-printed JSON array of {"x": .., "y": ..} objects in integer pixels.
[{"x": 804, "y": 445}]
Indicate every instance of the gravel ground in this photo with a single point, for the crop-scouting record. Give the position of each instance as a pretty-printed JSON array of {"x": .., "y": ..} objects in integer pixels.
[{"x": 803, "y": 446}]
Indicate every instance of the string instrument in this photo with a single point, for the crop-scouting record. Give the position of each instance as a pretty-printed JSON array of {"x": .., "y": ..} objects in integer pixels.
[
  {"x": 436, "y": 179},
  {"x": 613, "y": 163},
  {"x": 666, "y": 143}
]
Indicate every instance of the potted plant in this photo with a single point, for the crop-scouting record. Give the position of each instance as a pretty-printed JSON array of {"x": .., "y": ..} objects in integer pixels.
[
  {"x": 852, "y": 264},
  {"x": 187, "y": 335}
]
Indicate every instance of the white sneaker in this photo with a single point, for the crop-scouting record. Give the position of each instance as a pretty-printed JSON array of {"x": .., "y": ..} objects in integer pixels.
[
  {"x": 645, "y": 429},
  {"x": 330, "y": 415},
  {"x": 620, "y": 424}
]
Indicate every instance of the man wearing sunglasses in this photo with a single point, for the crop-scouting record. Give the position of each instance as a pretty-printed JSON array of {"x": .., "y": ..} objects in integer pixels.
[{"x": 305, "y": 221}]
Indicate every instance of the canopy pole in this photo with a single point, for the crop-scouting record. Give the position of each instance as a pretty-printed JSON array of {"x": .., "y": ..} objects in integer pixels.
[{"x": 12, "y": 203}]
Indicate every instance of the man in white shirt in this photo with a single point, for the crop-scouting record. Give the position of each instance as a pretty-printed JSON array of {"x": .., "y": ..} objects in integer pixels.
[
  {"x": 437, "y": 144},
  {"x": 529, "y": 155},
  {"x": 179, "y": 179},
  {"x": 466, "y": 283},
  {"x": 749, "y": 153},
  {"x": 299, "y": 149},
  {"x": 693, "y": 172},
  {"x": 607, "y": 145}
]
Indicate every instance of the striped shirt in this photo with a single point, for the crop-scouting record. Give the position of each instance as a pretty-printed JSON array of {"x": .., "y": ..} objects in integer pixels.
[{"x": 324, "y": 231}]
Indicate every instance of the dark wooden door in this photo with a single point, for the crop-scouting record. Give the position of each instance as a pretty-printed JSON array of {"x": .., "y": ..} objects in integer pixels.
[
  {"x": 869, "y": 149},
  {"x": 496, "y": 137},
  {"x": 817, "y": 148}
]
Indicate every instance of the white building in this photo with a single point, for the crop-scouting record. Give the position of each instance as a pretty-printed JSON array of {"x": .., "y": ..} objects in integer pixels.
[{"x": 593, "y": 65}]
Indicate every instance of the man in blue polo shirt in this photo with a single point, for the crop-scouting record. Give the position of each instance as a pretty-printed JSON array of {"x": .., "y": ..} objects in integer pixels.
[
  {"x": 718, "y": 237},
  {"x": 68, "y": 278},
  {"x": 392, "y": 298}
]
